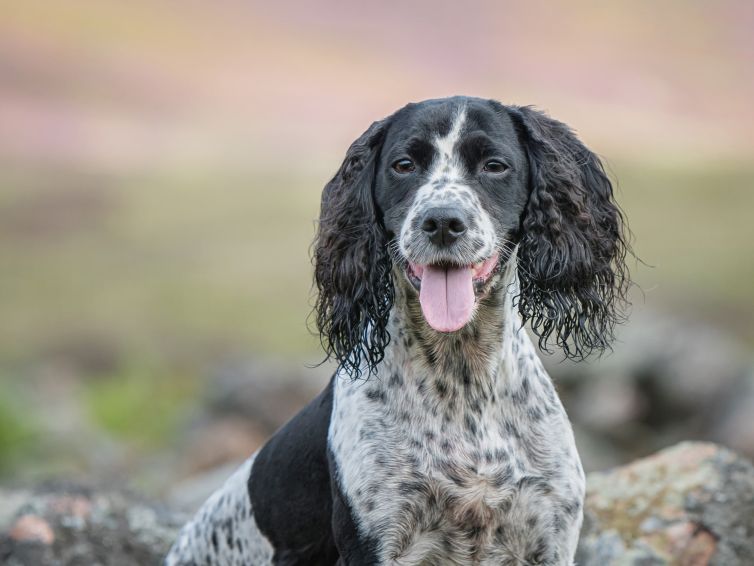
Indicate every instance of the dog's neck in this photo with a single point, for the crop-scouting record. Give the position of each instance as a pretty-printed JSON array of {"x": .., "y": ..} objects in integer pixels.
[{"x": 484, "y": 355}]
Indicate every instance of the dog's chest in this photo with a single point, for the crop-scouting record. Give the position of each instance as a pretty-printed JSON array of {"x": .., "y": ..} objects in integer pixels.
[{"x": 447, "y": 479}]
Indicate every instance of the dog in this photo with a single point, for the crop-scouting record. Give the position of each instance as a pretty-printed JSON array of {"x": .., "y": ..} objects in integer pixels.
[{"x": 440, "y": 439}]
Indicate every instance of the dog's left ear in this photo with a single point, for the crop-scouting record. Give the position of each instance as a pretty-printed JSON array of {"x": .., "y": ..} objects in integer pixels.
[
  {"x": 571, "y": 256},
  {"x": 351, "y": 261}
]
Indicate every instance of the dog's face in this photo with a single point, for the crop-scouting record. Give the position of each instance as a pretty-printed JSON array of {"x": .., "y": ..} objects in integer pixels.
[
  {"x": 451, "y": 186},
  {"x": 441, "y": 193}
]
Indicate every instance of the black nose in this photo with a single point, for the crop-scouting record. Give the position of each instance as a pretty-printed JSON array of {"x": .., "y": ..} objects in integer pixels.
[{"x": 444, "y": 225}]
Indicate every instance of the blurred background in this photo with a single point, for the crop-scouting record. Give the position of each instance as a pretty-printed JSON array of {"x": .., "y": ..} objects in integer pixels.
[{"x": 160, "y": 171}]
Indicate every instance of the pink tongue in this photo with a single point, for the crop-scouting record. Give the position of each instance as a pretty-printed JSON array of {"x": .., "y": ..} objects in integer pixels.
[{"x": 447, "y": 297}]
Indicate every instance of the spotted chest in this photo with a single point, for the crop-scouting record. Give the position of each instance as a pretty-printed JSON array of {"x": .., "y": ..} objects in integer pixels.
[{"x": 440, "y": 471}]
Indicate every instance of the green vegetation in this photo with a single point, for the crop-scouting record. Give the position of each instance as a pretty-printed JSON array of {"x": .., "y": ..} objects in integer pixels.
[
  {"x": 140, "y": 407},
  {"x": 16, "y": 429}
]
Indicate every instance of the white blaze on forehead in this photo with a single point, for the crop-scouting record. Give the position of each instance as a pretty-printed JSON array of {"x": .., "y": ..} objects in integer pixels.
[{"x": 445, "y": 147}]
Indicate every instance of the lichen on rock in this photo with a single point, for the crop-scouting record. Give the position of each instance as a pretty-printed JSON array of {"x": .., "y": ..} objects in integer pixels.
[{"x": 691, "y": 504}]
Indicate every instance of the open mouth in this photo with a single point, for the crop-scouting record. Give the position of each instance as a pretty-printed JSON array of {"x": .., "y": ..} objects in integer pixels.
[{"x": 448, "y": 293}]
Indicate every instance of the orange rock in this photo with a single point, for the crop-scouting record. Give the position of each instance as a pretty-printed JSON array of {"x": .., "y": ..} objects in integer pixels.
[{"x": 31, "y": 528}]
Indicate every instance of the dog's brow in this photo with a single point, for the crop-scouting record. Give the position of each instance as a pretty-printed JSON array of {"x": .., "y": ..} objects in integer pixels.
[
  {"x": 480, "y": 138},
  {"x": 478, "y": 144},
  {"x": 417, "y": 144}
]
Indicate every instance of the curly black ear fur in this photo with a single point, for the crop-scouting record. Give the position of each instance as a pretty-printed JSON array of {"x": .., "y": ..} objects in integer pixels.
[
  {"x": 571, "y": 257},
  {"x": 351, "y": 261}
]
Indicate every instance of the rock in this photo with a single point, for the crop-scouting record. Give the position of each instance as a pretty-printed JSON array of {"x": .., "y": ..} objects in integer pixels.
[
  {"x": 735, "y": 428},
  {"x": 31, "y": 528},
  {"x": 66, "y": 525},
  {"x": 219, "y": 441},
  {"x": 244, "y": 404},
  {"x": 187, "y": 495},
  {"x": 267, "y": 392},
  {"x": 668, "y": 379},
  {"x": 689, "y": 505}
]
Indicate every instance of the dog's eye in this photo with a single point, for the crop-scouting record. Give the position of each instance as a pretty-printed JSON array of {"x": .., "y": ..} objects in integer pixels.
[
  {"x": 495, "y": 166},
  {"x": 404, "y": 166}
]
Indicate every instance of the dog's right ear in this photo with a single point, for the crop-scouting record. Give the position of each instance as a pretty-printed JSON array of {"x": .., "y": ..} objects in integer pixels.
[{"x": 351, "y": 262}]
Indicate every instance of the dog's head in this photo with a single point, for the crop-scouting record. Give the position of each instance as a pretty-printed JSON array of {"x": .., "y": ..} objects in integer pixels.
[{"x": 443, "y": 191}]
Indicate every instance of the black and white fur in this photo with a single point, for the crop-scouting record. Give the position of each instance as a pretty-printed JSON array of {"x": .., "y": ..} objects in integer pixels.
[{"x": 429, "y": 447}]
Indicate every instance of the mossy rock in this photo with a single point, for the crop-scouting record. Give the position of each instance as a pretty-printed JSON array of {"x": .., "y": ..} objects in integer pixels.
[{"x": 689, "y": 505}]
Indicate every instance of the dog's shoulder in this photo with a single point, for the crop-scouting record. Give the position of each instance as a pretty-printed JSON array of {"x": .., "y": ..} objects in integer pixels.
[{"x": 290, "y": 489}]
